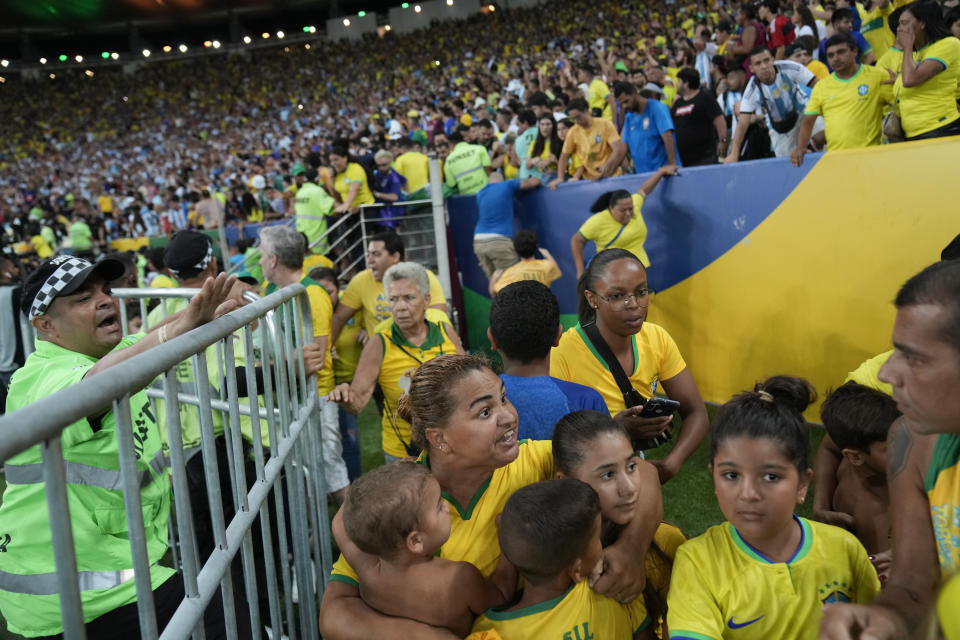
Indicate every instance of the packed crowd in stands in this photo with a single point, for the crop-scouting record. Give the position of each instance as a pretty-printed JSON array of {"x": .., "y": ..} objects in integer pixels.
[
  {"x": 183, "y": 144},
  {"x": 538, "y": 471}
]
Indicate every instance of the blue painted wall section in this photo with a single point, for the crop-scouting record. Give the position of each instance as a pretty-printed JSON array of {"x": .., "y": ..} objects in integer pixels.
[{"x": 692, "y": 219}]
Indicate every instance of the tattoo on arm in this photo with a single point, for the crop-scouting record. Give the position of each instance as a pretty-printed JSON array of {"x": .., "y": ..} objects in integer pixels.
[{"x": 902, "y": 443}]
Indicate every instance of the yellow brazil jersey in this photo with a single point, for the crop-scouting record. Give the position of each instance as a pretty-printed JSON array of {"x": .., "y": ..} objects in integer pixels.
[
  {"x": 321, "y": 310},
  {"x": 932, "y": 104},
  {"x": 868, "y": 373},
  {"x": 580, "y": 613},
  {"x": 348, "y": 350},
  {"x": 353, "y": 174},
  {"x": 315, "y": 260},
  {"x": 550, "y": 168},
  {"x": 874, "y": 28},
  {"x": 654, "y": 352},
  {"x": 607, "y": 233},
  {"x": 543, "y": 271},
  {"x": 400, "y": 359},
  {"x": 473, "y": 528},
  {"x": 818, "y": 69},
  {"x": 851, "y": 108},
  {"x": 41, "y": 247},
  {"x": 947, "y": 611},
  {"x": 592, "y": 145},
  {"x": 367, "y": 293},
  {"x": 415, "y": 167},
  {"x": 723, "y": 588},
  {"x": 163, "y": 281},
  {"x": 892, "y": 59},
  {"x": 105, "y": 203},
  {"x": 597, "y": 94},
  {"x": 942, "y": 485}
]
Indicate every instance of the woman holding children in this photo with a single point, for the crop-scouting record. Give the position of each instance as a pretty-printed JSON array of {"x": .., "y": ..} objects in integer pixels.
[{"x": 462, "y": 419}]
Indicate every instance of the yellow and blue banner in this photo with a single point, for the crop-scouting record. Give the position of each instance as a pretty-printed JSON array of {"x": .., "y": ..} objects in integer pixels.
[{"x": 760, "y": 268}]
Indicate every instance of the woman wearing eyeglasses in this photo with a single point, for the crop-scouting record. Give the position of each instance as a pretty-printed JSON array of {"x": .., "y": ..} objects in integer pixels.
[
  {"x": 617, "y": 223},
  {"x": 612, "y": 306}
]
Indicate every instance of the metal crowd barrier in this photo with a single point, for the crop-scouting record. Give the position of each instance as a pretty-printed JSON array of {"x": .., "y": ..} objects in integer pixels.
[
  {"x": 347, "y": 233},
  {"x": 291, "y": 410}
]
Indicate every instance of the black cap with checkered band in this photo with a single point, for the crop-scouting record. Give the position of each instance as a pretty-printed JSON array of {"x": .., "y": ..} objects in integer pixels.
[{"x": 61, "y": 276}]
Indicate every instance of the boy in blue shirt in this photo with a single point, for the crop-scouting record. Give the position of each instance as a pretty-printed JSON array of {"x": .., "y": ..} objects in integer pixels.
[{"x": 524, "y": 327}]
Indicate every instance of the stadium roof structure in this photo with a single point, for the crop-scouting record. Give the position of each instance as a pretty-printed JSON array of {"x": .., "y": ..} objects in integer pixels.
[{"x": 30, "y": 29}]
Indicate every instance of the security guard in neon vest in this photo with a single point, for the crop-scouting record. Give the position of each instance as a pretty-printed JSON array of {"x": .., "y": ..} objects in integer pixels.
[
  {"x": 79, "y": 335},
  {"x": 467, "y": 166}
]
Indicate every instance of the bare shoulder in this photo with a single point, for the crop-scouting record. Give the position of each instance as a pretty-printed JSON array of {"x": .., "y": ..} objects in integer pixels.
[{"x": 908, "y": 450}]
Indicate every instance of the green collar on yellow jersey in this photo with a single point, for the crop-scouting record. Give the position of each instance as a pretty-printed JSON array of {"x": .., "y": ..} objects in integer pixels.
[
  {"x": 434, "y": 337},
  {"x": 540, "y": 607},
  {"x": 586, "y": 341},
  {"x": 851, "y": 78},
  {"x": 806, "y": 541},
  {"x": 465, "y": 514}
]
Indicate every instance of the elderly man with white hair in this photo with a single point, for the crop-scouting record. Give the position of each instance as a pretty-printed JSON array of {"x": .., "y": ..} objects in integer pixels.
[{"x": 281, "y": 258}]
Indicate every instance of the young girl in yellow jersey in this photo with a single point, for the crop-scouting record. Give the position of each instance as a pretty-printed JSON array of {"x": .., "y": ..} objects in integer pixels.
[
  {"x": 594, "y": 448},
  {"x": 550, "y": 531},
  {"x": 765, "y": 573}
]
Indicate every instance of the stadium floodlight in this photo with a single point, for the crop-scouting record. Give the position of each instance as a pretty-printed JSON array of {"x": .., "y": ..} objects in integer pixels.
[
  {"x": 346, "y": 22},
  {"x": 361, "y": 13},
  {"x": 216, "y": 44},
  {"x": 167, "y": 48},
  {"x": 146, "y": 53},
  {"x": 105, "y": 55},
  {"x": 115, "y": 55},
  {"x": 417, "y": 8},
  {"x": 4, "y": 63},
  {"x": 78, "y": 58},
  {"x": 43, "y": 61},
  {"x": 183, "y": 48}
]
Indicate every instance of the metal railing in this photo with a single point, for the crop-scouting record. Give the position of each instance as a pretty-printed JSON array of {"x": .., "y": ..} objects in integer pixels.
[
  {"x": 288, "y": 469},
  {"x": 347, "y": 234}
]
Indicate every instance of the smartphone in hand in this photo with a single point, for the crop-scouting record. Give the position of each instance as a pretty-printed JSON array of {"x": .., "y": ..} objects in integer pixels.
[{"x": 656, "y": 407}]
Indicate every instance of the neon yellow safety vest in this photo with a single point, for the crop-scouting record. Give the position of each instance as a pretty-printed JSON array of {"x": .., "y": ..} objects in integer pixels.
[
  {"x": 29, "y": 597},
  {"x": 464, "y": 168}
]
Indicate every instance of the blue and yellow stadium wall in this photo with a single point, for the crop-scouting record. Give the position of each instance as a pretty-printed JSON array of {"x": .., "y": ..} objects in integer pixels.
[{"x": 760, "y": 268}]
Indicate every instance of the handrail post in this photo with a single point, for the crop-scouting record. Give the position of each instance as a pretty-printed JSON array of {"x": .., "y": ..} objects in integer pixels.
[{"x": 440, "y": 226}]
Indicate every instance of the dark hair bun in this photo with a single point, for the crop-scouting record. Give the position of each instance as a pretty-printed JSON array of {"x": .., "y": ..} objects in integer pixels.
[{"x": 795, "y": 393}]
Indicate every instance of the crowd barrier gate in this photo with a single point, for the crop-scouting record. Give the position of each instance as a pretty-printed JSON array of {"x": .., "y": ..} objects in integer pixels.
[
  {"x": 348, "y": 233},
  {"x": 291, "y": 411}
]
